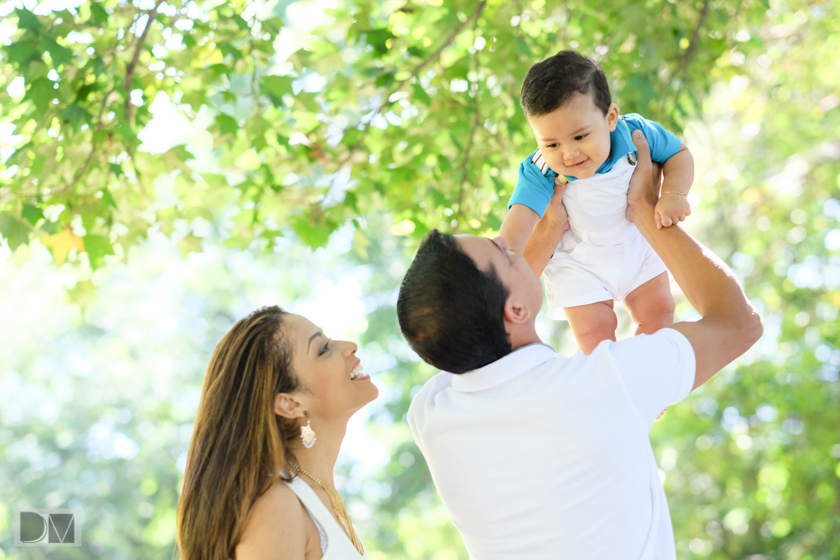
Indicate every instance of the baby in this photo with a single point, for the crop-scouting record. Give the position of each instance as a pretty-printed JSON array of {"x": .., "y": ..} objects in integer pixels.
[{"x": 585, "y": 147}]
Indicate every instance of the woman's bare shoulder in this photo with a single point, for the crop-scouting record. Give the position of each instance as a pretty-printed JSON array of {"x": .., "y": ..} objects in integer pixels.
[{"x": 276, "y": 527}]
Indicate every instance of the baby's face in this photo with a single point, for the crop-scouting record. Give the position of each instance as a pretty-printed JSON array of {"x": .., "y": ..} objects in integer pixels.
[{"x": 575, "y": 139}]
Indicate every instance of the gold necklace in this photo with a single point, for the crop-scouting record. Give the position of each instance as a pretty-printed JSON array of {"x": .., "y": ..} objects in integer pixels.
[{"x": 337, "y": 505}]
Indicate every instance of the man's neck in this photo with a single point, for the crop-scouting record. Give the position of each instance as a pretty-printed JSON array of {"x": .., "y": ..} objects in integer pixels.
[{"x": 523, "y": 335}]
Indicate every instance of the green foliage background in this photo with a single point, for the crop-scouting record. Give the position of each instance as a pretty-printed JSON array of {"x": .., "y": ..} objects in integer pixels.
[{"x": 355, "y": 127}]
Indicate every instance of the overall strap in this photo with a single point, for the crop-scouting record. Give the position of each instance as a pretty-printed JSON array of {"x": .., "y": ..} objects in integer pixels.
[{"x": 631, "y": 157}]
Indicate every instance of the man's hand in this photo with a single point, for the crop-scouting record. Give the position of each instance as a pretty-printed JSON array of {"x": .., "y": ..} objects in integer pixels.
[
  {"x": 671, "y": 209},
  {"x": 644, "y": 184},
  {"x": 555, "y": 212}
]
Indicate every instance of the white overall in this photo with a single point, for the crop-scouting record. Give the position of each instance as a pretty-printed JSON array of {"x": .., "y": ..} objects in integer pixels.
[
  {"x": 335, "y": 544},
  {"x": 602, "y": 256}
]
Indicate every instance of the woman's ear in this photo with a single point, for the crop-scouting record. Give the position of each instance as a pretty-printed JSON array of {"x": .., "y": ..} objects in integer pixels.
[
  {"x": 612, "y": 116},
  {"x": 287, "y": 406}
]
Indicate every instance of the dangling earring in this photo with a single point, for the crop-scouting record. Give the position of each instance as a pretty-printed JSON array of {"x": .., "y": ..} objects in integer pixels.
[{"x": 307, "y": 434}]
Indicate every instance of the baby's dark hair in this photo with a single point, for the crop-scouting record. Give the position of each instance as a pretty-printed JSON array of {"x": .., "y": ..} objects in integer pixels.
[{"x": 552, "y": 83}]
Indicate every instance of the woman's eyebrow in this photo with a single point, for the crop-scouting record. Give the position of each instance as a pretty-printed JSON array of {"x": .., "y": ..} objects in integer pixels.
[{"x": 313, "y": 337}]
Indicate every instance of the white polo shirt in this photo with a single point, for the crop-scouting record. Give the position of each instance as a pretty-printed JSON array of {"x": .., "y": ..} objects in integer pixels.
[{"x": 541, "y": 456}]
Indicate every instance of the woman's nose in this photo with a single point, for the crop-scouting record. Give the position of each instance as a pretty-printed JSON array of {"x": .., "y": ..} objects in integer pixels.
[{"x": 350, "y": 348}]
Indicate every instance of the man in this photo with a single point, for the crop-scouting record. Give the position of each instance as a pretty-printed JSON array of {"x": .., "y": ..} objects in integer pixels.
[{"x": 536, "y": 455}]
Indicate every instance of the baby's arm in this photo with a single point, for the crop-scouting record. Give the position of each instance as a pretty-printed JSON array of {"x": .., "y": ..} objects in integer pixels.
[
  {"x": 536, "y": 244},
  {"x": 678, "y": 175},
  {"x": 517, "y": 226}
]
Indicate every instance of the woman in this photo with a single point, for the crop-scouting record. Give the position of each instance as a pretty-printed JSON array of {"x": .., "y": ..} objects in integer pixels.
[{"x": 274, "y": 410}]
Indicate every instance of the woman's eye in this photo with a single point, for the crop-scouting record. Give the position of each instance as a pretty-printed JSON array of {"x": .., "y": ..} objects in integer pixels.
[{"x": 325, "y": 348}]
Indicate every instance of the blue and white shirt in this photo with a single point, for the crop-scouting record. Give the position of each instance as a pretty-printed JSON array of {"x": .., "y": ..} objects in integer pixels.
[{"x": 535, "y": 185}]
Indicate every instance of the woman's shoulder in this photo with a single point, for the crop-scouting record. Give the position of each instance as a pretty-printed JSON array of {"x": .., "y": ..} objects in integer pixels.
[
  {"x": 279, "y": 499},
  {"x": 276, "y": 521}
]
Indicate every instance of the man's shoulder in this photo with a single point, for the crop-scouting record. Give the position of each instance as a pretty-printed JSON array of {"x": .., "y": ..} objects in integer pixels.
[{"x": 439, "y": 382}]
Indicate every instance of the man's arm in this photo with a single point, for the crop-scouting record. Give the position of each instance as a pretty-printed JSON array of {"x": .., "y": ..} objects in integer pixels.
[
  {"x": 729, "y": 324},
  {"x": 533, "y": 237}
]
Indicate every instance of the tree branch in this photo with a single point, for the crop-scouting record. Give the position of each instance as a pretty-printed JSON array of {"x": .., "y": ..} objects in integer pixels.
[
  {"x": 129, "y": 74},
  {"x": 429, "y": 59},
  {"x": 465, "y": 164},
  {"x": 692, "y": 44},
  {"x": 81, "y": 173},
  {"x": 416, "y": 72}
]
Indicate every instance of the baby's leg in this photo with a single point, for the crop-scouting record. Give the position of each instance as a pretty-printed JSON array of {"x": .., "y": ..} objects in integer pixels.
[
  {"x": 651, "y": 305},
  {"x": 592, "y": 323}
]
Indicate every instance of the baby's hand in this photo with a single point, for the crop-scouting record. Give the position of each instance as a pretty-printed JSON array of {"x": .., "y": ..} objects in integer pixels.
[{"x": 671, "y": 210}]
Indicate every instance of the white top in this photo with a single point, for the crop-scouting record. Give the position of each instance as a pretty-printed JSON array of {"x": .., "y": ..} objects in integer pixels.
[
  {"x": 541, "y": 456},
  {"x": 335, "y": 544},
  {"x": 597, "y": 206}
]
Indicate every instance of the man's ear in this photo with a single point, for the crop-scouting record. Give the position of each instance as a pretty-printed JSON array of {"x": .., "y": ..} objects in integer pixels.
[
  {"x": 515, "y": 313},
  {"x": 287, "y": 406},
  {"x": 612, "y": 116}
]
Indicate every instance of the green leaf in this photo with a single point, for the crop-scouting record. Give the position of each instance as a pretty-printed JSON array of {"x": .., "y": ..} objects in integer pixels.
[
  {"x": 190, "y": 244},
  {"x": 22, "y": 52},
  {"x": 643, "y": 86},
  {"x": 116, "y": 169},
  {"x": 219, "y": 69},
  {"x": 227, "y": 49},
  {"x": 107, "y": 199},
  {"x": 76, "y": 116},
  {"x": 385, "y": 80},
  {"x": 83, "y": 92},
  {"x": 97, "y": 246},
  {"x": 28, "y": 20},
  {"x": 98, "y": 13},
  {"x": 421, "y": 95},
  {"x": 275, "y": 87},
  {"x": 227, "y": 124},
  {"x": 41, "y": 92},
  {"x": 315, "y": 235},
  {"x": 15, "y": 158},
  {"x": 241, "y": 23},
  {"x": 377, "y": 38},
  {"x": 59, "y": 54},
  {"x": 14, "y": 230},
  {"x": 522, "y": 48},
  {"x": 351, "y": 201},
  {"x": 493, "y": 221},
  {"x": 31, "y": 213}
]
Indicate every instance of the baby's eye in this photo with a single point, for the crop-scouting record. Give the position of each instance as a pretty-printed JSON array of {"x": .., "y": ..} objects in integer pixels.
[
  {"x": 553, "y": 145},
  {"x": 581, "y": 137}
]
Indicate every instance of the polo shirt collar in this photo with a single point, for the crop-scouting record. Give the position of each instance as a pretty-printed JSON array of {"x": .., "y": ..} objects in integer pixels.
[
  {"x": 621, "y": 143},
  {"x": 504, "y": 369}
]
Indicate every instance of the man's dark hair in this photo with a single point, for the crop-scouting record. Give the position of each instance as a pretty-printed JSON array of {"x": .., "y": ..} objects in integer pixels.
[
  {"x": 552, "y": 83},
  {"x": 451, "y": 312}
]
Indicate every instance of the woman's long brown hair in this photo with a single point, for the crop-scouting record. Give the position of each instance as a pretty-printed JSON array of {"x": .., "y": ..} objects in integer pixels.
[{"x": 238, "y": 445}]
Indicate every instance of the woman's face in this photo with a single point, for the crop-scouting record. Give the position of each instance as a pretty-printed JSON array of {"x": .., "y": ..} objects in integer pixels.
[{"x": 332, "y": 383}]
